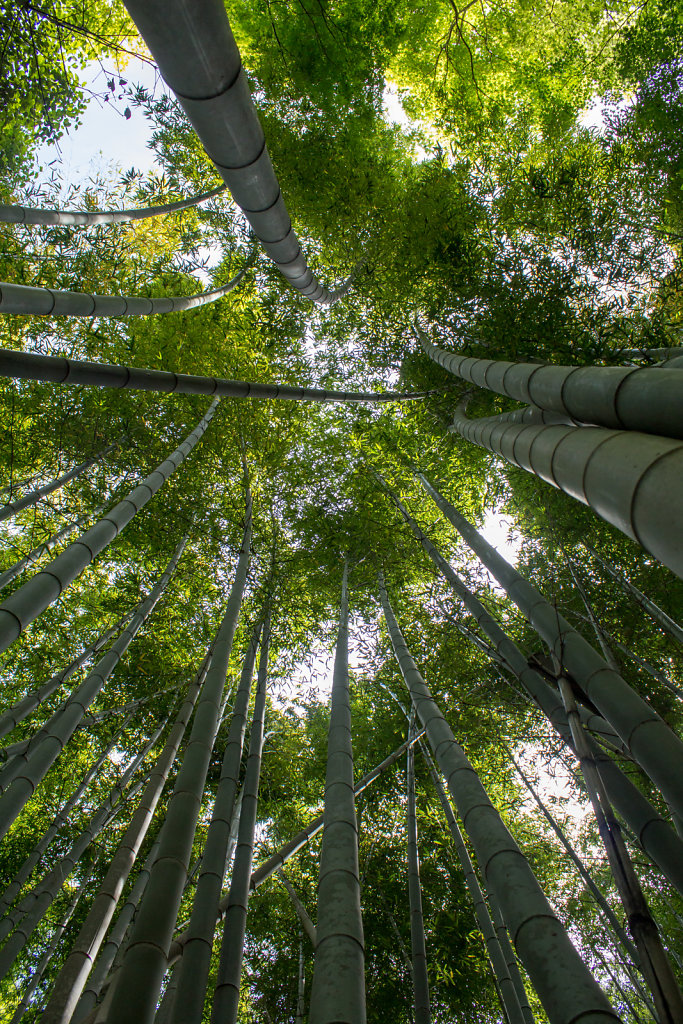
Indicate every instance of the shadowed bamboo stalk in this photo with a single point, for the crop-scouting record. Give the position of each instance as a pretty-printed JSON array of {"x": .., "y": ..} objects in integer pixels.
[
  {"x": 301, "y": 911},
  {"x": 43, "y": 589},
  {"x": 28, "y": 769},
  {"x": 600, "y": 636},
  {"x": 225, "y": 1004},
  {"x": 60, "y": 370},
  {"x": 33, "y": 859},
  {"x": 191, "y": 977},
  {"x": 565, "y": 986},
  {"x": 516, "y": 1011},
  {"x": 338, "y": 989},
  {"x": 42, "y": 549},
  {"x": 202, "y": 65},
  {"x": 633, "y": 481},
  {"x": 301, "y": 984},
  {"x": 87, "y": 218},
  {"x": 656, "y": 968},
  {"x": 71, "y": 979},
  {"x": 647, "y": 666},
  {"x": 646, "y": 398},
  {"x": 23, "y": 708},
  {"x": 668, "y": 624},
  {"x": 418, "y": 949},
  {"x": 138, "y": 982},
  {"x": 651, "y": 742},
  {"x": 33, "y": 497},
  {"x": 510, "y": 960},
  {"x": 35, "y": 905},
  {"x": 30, "y": 299}
]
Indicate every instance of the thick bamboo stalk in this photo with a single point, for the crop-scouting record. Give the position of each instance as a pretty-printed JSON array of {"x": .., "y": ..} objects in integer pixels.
[
  {"x": 73, "y": 976},
  {"x": 565, "y": 986},
  {"x": 30, "y": 768},
  {"x": 33, "y": 859},
  {"x": 35, "y": 905},
  {"x": 632, "y": 480},
  {"x": 646, "y": 399},
  {"x": 656, "y": 967},
  {"x": 33, "y": 497},
  {"x": 668, "y": 624},
  {"x": 191, "y": 978},
  {"x": 516, "y": 1011},
  {"x": 87, "y": 218},
  {"x": 60, "y": 370},
  {"x": 651, "y": 742},
  {"x": 23, "y": 708},
  {"x": 338, "y": 988},
  {"x": 201, "y": 63},
  {"x": 301, "y": 911},
  {"x": 418, "y": 948},
  {"x": 138, "y": 982},
  {"x": 41, "y": 549},
  {"x": 38, "y": 593},
  {"x": 289, "y": 849},
  {"x": 225, "y": 1004},
  {"x": 30, "y": 299}
]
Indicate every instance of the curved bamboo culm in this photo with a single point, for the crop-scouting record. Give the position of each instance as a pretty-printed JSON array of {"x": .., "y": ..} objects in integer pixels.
[
  {"x": 88, "y": 218},
  {"x": 564, "y": 984},
  {"x": 29, "y": 299},
  {"x": 139, "y": 979},
  {"x": 199, "y": 60},
  {"x": 634, "y": 481},
  {"x": 73, "y": 976},
  {"x": 226, "y": 997},
  {"x": 515, "y": 1012},
  {"x": 60, "y": 370},
  {"x": 12, "y": 507},
  {"x": 649, "y": 739},
  {"x": 418, "y": 949},
  {"x": 192, "y": 976},
  {"x": 30, "y": 768},
  {"x": 43, "y": 589},
  {"x": 289, "y": 849},
  {"x": 338, "y": 988},
  {"x": 647, "y": 399}
]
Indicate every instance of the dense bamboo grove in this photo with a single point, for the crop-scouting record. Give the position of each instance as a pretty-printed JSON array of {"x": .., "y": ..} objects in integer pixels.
[{"x": 286, "y": 735}]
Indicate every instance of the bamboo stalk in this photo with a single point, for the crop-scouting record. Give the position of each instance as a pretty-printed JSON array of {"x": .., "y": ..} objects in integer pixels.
[{"x": 24, "y": 215}]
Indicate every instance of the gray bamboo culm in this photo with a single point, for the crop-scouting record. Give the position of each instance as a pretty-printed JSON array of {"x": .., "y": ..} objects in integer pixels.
[
  {"x": 37, "y": 301},
  {"x": 668, "y": 624},
  {"x": 30, "y": 768},
  {"x": 651, "y": 742},
  {"x": 302, "y": 913},
  {"x": 73, "y": 976},
  {"x": 418, "y": 948},
  {"x": 653, "y": 833},
  {"x": 301, "y": 985},
  {"x": 139, "y": 979},
  {"x": 565, "y": 986},
  {"x": 191, "y": 977},
  {"x": 338, "y": 988},
  {"x": 270, "y": 866},
  {"x": 35, "y": 905},
  {"x": 225, "y": 1003},
  {"x": 515, "y": 1012},
  {"x": 123, "y": 709},
  {"x": 41, "y": 549},
  {"x": 34, "y": 857},
  {"x": 60, "y": 370},
  {"x": 38, "y": 593},
  {"x": 87, "y": 218},
  {"x": 633, "y": 481},
  {"x": 13, "y": 507},
  {"x": 23, "y": 708},
  {"x": 646, "y": 399},
  {"x": 202, "y": 65}
]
